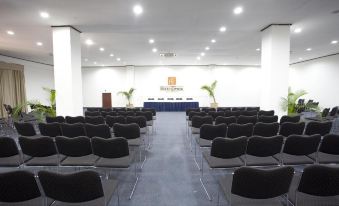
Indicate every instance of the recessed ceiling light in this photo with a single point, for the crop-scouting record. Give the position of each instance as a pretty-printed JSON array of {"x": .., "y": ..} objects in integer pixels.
[
  {"x": 258, "y": 49},
  {"x": 298, "y": 30},
  {"x": 102, "y": 65},
  {"x": 202, "y": 54},
  {"x": 151, "y": 41},
  {"x": 118, "y": 59},
  {"x": 89, "y": 42},
  {"x": 154, "y": 50},
  {"x": 137, "y": 9},
  {"x": 207, "y": 48},
  {"x": 213, "y": 41},
  {"x": 9, "y": 32},
  {"x": 39, "y": 43},
  {"x": 238, "y": 10},
  {"x": 111, "y": 55},
  {"x": 309, "y": 49},
  {"x": 300, "y": 58},
  {"x": 94, "y": 62},
  {"x": 44, "y": 15},
  {"x": 102, "y": 49},
  {"x": 222, "y": 29},
  {"x": 334, "y": 42},
  {"x": 198, "y": 58}
]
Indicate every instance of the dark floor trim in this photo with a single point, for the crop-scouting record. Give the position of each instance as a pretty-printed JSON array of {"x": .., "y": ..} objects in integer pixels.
[
  {"x": 28, "y": 60},
  {"x": 307, "y": 60},
  {"x": 67, "y": 26},
  {"x": 266, "y": 27}
]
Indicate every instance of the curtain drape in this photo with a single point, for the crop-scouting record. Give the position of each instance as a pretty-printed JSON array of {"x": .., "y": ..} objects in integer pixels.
[{"x": 12, "y": 86}]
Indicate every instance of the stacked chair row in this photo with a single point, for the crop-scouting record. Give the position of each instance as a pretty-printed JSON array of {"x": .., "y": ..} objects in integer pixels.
[
  {"x": 222, "y": 109},
  {"x": 117, "y": 109},
  {"x": 129, "y": 112}
]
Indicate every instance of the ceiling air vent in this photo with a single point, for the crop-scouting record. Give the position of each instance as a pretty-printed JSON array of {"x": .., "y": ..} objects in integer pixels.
[{"x": 167, "y": 54}]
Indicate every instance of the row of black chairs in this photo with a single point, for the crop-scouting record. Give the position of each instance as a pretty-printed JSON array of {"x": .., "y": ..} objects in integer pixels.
[
  {"x": 222, "y": 109},
  {"x": 122, "y": 109},
  {"x": 215, "y": 114}
]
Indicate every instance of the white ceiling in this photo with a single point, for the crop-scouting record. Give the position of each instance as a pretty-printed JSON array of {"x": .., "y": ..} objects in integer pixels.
[{"x": 181, "y": 26}]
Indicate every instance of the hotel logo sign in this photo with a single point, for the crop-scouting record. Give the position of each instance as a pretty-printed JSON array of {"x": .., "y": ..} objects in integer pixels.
[{"x": 171, "y": 85}]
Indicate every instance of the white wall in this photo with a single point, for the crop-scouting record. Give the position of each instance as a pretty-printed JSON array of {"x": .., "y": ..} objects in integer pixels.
[
  {"x": 37, "y": 76},
  {"x": 320, "y": 78}
]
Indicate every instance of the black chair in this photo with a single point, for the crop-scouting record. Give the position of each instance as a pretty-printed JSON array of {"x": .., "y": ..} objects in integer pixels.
[
  {"x": 249, "y": 113},
  {"x": 266, "y": 113},
  {"x": 111, "y": 120},
  {"x": 209, "y": 132},
  {"x": 261, "y": 150},
  {"x": 129, "y": 131},
  {"x": 92, "y": 109},
  {"x": 140, "y": 120},
  {"x": 238, "y": 108},
  {"x": 224, "y": 109},
  {"x": 253, "y": 109},
  {"x": 104, "y": 114},
  {"x": 232, "y": 113},
  {"x": 292, "y": 119},
  {"x": 266, "y": 129},
  {"x": 225, "y": 120},
  {"x": 106, "y": 109},
  {"x": 80, "y": 187},
  {"x": 126, "y": 113},
  {"x": 321, "y": 128},
  {"x": 268, "y": 119},
  {"x": 198, "y": 121},
  {"x": 247, "y": 119},
  {"x": 73, "y": 120},
  {"x": 41, "y": 151},
  {"x": 215, "y": 114},
  {"x": 19, "y": 188},
  {"x": 25, "y": 129},
  {"x": 328, "y": 151},
  {"x": 238, "y": 130},
  {"x": 57, "y": 119},
  {"x": 100, "y": 130},
  {"x": 9, "y": 153},
  {"x": 92, "y": 114},
  {"x": 254, "y": 186},
  {"x": 95, "y": 120},
  {"x": 289, "y": 128},
  {"x": 192, "y": 114},
  {"x": 50, "y": 129},
  {"x": 192, "y": 110},
  {"x": 334, "y": 111},
  {"x": 73, "y": 130},
  {"x": 208, "y": 109},
  {"x": 297, "y": 148}
]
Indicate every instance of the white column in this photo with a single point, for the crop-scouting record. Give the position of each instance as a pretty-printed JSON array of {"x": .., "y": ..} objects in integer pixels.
[
  {"x": 129, "y": 81},
  {"x": 67, "y": 71},
  {"x": 275, "y": 58}
]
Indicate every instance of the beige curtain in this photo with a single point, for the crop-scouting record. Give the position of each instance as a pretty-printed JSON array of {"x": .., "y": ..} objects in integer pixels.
[{"x": 12, "y": 86}]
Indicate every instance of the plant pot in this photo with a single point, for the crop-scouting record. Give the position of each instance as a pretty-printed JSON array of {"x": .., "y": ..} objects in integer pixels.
[
  {"x": 214, "y": 105},
  {"x": 129, "y": 106}
]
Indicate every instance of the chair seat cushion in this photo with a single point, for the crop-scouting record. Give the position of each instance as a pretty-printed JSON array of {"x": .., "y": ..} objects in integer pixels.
[
  {"x": 325, "y": 158},
  {"x": 203, "y": 142},
  {"x": 52, "y": 160},
  {"x": 122, "y": 162},
  {"x": 260, "y": 161},
  {"x": 88, "y": 160},
  {"x": 215, "y": 162},
  {"x": 12, "y": 161},
  {"x": 294, "y": 159},
  {"x": 135, "y": 142},
  {"x": 143, "y": 130},
  {"x": 149, "y": 123}
]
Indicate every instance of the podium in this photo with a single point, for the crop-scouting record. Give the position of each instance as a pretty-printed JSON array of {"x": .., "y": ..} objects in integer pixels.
[{"x": 106, "y": 100}]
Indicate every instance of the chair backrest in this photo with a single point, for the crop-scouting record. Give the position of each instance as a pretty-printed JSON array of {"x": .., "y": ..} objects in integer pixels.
[
  {"x": 147, "y": 114},
  {"x": 37, "y": 147},
  {"x": 264, "y": 146},
  {"x": 149, "y": 110},
  {"x": 111, "y": 120},
  {"x": 192, "y": 110},
  {"x": 50, "y": 129},
  {"x": 18, "y": 186},
  {"x": 8, "y": 147},
  {"x": 106, "y": 109},
  {"x": 140, "y": 120},
  {"x": 58, "y": 119},
  {"x": 192, "y": 114},
  {"x": 320, "y": 180},
  {"x": 266, "y": 113},
  {"x": 215, "y": 114},
  {"x": 73, "y": 130},
  {"x": 266, "y": 129},
  {"x": 232, "y": 113},
  {"x": 110, "y": 148},
  {"x": 223, "y": 109},
  {"x": 72, "y": 188},
  {"x": 210, "y": 132},
  {"x": 92, "y": 113},
  {"x": 334, "y": 111},
  {"x": 268, "y": 119},
  {"x": 74, "y": 120},
  {"x": 126, "y": 113},
  {"x": 92, "y": 109},
  {"x": 25, "y": 128},
  {"x": 208, "y": 109},
  {"x": 198, "y": 121},
  {"x": 249, "y": 113},
  {"x": 225, "y": 120},
  {"x": 330, "y": 144},
  {"x": 228, "y": 148},
  {"x": 95, "y": 120},
  {"x": 128, "y": 131},
  {"x": 238, "y": 130},
  {"x": 257, "y": 183},
  {"x": 301, "y": 144},
  {"x": 238, "y": 108},
  {"x": 321, "y": 128},
  {"x": 100, "y": 130},
  {"x": 253, "y": 109},
  {"x": 289, "y": 128},
  {"x": 119, "y": 109},
  {"x": 109, "y": 114},
  {"x": 292, "y": 119},
  {"x": 73, "y": 147},
  {"x": 247, "y": 119}
]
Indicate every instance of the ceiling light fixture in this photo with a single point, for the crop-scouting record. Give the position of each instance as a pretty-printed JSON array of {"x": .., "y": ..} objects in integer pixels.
[
  {"x": 298, "y": 30},
  {"x": 300, "y": 58},
  {"x": 39, "y": 43},
  {"x": 9, "y": 32},
  {"x": 309, "y": 49},
  {"x": 154, "y": 50},
  {"x": 238, "y": 10},
  {"x": 202, "y": 54},
  {"x": 89, "y": 42},
  {"x": 207, "y": 48},
  {"x": 102, "y": 49},
  {"x": 44, "y": 15},
  {"x": 213, "y": 41},
  {"x": 94, "y": 62},
  {"x": 118, "y": 59},
  {"x": 137, "y": 9},
  {"x": 198, "y": 58},
  {"x": 258, "y": 49},
  {"x": 334, "y": 42},
  {"x": 151, "y": 41},
  {"x": 222, "y": 29},
  {"x": 111, "y": 55}
]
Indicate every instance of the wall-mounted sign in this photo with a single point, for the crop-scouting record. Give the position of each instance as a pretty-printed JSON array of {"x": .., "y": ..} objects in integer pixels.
[
  {"x": 171, "y": 85},
  {"x": 172, "y": 81}
]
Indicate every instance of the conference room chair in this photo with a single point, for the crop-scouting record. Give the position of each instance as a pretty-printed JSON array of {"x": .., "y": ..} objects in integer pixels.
[
  {"x": 192, "y": 114},
  {"x": 142, "y": 122},
  {"x": 215, "y": 114},
  {"x": 253, "y": 109},
  {"x": 267, "y": 119},
  {"x": 83, "y": 188},
  {"x": 73, "y": 120},
  {"x": 289, "y": 128},
  {"x": 328, "y": 152},
  {"x": 126, "y": 113},
  {"x": 257, "y": 186},
  {"x": 111, "y": 120},
  {"x": 249, "y": 113},
  {"x": 112, "y": 113},
  {"x": 50, "y": 129},
  {"x": 266, "y": 112},
  {"x": 238, "y": 130},
  {"x": 292, "y": 119},
  {"x": 198, "y": 121},
  {"x": 25, "y": 129},
  {"x": 225, "y": 120},
  {"x": 260, "y": 150},
  {"x": 9, "y": 153},
  {"x": 115, "y": 154},
  {"x": 321, "y": 128},
  {"x": 232, "y": 113},
  {"x": 191, "y": 110},
  {"x": 105, "y": 109},
  {"x": 247, "y": 119},
  {"x": 154, "y": 113},
  {"x": 318, "y": 185},
  {"x": 208, "y": 109},
  {"x": 100, "y": 130},
  {"x": 77, "y": 151},
  {"x": 57, "y": 119},
  {"x": 266, "y": 129},
  {"x": 95, "y": 120},
  {"x": 19, "y": 188},
  {"x": 92, "y": 114},
  {"x": 92, "y": 109},
  {"x": 119, "y": 109},
  {"x": 238, "y": 108},
  {"x": 333, "y": 111},
  {"x": 224, "y": 109},
  {"x": 225, "y": 153},
  {"x": 297, "y": 149},
  {"x": 73, "y": 130},
  {"x": 41, "y": 151}
]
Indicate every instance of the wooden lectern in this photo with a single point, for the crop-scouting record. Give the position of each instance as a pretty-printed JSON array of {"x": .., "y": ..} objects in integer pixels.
[{"x": 106, "y": 100}]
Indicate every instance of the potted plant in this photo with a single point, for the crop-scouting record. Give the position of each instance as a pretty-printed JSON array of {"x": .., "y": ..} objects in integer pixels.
[
  {"x": 128, "y": 94},
  {"x": 210, "y": 90}
]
